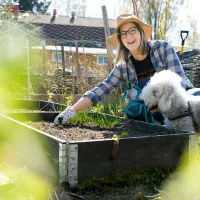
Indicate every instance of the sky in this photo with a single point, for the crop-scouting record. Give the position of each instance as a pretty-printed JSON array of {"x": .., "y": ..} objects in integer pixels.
[
  {"x": 94, "y": 8},
  {"x": 190, "y": 10}
]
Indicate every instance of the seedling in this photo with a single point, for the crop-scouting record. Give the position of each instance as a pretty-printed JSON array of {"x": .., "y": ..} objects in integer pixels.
[{"x": 99, "y": 120}]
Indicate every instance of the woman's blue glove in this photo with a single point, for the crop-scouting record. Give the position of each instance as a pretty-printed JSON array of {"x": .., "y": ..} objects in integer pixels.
[{"x": 64, "y": 116}]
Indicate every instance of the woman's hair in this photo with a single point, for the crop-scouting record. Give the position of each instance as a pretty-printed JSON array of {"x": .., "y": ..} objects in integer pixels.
[{"x": 122, "y": 51}]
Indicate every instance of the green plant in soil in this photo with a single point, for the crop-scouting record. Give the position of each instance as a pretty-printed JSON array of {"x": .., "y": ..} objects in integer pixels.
[
  {"x": 69, "y": 100},
  {"x": 50, "y": 95},
  {"x": 122, "y": 135},
  {"x": 112, "y": 108},
  {"x": 99, "y": 120}
]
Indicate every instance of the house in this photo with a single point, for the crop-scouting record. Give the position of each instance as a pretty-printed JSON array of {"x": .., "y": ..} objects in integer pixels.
[{"x": 61, "y": 33}]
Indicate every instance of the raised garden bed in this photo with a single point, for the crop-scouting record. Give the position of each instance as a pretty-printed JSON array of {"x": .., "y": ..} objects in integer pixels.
[
  {"x": 23, "y": 104},
  {"x": 78, "y": 158}
]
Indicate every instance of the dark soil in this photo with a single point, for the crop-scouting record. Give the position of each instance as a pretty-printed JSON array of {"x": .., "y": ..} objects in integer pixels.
[{"x": 75, "y": 132}]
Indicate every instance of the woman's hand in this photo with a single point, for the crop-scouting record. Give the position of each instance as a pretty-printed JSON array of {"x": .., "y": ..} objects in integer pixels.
[{"x": 64, "y": 116}]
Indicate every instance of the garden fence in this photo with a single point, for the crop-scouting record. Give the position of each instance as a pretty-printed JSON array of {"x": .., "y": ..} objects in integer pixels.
[{"x": 60, "y": 68}]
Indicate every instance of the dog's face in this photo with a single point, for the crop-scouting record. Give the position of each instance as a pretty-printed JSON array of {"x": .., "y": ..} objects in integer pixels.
[
  {"x": 148, "y": 95},
  {"x": 159, "y": 91},
  {"x": 157, "y": 96}
]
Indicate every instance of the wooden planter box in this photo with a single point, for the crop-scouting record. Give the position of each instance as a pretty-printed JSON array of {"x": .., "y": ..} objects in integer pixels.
[
  {"x": 76, "y": 161},
  {"x": 42, "y": 105}
]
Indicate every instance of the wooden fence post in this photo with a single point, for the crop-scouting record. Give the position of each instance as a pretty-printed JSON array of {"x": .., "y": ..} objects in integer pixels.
[
  {"x": 63, "y": 59},
  {"x": 78, "y": 72},
  {"x": 107, "y": 34}
]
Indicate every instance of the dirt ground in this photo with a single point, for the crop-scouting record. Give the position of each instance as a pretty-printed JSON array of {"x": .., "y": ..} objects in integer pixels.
[{"x": 75, "y": 132}]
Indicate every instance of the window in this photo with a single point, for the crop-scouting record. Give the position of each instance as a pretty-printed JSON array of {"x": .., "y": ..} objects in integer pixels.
[
  {"x": 57, "y": 56},
  {"x": 102, "y": 60},
  {"x": 70, "y": 60}
]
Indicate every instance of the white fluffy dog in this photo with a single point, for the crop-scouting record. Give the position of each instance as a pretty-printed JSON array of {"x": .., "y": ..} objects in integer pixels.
[{"x": 181, "y": 110}]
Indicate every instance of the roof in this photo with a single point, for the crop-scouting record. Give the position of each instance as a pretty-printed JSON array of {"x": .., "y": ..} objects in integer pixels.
[
  {"x": 64, "y": 20},
  {"x": 86, "y": 29},
  {"x": 73, "y": 32}
]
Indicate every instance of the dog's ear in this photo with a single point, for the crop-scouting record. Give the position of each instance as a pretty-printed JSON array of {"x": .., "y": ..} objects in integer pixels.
[
  {"x": 165, "y": 98},
  {"x": 147, "y": 95}
]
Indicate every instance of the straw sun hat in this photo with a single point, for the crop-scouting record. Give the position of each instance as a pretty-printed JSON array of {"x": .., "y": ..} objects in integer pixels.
[{"x": 113, "y": 39}]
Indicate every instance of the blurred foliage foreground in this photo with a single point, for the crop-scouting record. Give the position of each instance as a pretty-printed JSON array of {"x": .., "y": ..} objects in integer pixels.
[
  {"x": 17, "y": 183},
  {"x": 21, "y": 184}
]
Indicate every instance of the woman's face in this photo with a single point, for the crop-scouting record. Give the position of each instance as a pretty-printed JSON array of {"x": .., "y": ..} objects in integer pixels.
[{"x": 130, "y": 36}]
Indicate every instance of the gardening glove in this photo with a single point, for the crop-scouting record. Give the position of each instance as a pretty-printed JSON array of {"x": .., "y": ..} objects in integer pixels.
[
  {"x": 132, "y": 94},
  {"x": 64, "y": 116}
]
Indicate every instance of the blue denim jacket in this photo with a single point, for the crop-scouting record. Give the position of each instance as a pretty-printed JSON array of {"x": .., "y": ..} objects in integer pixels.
[{"x": 162, "y": 55}]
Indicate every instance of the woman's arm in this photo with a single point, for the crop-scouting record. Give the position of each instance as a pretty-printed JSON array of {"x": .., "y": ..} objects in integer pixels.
[
  {"x": 91, "y": 97},
  {"x": 81, "y": 104},
  {"x": 102, "y": 90}
]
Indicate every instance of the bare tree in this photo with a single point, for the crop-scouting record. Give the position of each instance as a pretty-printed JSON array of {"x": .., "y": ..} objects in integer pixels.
[
  {"x": 125, "y": 6},
  {"x": 193, "y": 38},
  {"x": 135, "y": 10},
  {"x": 82, "y": 8},
  {"x": 161, "y": 14}
]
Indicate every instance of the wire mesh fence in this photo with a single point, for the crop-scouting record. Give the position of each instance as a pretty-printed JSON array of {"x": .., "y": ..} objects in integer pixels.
[
  {"x": 57, "y": 66},
  {"x": 68, "y": 70},
  {"x": 62, "y": 61}
]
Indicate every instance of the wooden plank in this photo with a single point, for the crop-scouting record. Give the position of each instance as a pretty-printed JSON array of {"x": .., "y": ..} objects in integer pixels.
[
  {"x": 22, "y": 104},
  {"x": 94, "y": 157},
  {"x": 107, "y": 34},
  {"x": 32, "y": 115},
  {"x": 34, "y": 105}
]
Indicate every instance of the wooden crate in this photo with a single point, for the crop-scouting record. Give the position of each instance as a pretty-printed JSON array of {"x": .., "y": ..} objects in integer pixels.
[
  {"x": 76, "y": 161},
  {"x": 42, "y": 105}
]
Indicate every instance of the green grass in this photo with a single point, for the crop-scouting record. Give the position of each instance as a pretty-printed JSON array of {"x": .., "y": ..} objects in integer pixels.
[
  {"x": 97, "y": 119},
  {"x": 113, "y": 108}
]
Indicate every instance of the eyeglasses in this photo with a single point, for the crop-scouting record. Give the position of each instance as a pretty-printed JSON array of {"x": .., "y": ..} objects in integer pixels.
[{"x": 131, "y": 31}]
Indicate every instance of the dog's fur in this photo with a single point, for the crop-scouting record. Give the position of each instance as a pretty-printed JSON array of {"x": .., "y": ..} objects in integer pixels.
[{"x": 164, "y": 90}]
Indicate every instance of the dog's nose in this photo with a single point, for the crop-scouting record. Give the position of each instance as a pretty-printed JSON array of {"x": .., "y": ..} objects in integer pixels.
[
  {"x": 141, "y": 101},
  {"x": 153, "y": 107}
]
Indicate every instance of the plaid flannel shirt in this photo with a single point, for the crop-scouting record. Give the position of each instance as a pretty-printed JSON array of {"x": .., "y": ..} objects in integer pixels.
[{"x": 162, "y": 55}]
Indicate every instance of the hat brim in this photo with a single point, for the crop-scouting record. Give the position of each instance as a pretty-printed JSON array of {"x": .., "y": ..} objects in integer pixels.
[{"x": 113, "y": 39}]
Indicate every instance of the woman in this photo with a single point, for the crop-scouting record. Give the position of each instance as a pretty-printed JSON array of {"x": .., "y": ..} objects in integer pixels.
[{"x": 137, "y": 60}]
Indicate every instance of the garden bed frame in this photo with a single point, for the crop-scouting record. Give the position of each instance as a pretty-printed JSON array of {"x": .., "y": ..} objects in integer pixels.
[{"x": 79, "y": 160}]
